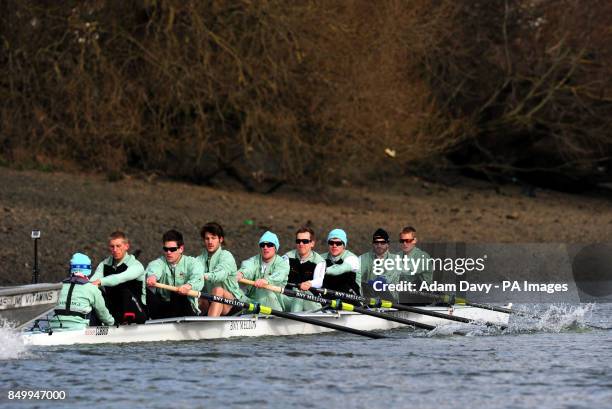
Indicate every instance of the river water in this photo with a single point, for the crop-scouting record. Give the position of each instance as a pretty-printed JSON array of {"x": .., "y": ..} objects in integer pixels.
[{"x": 555, "y": 362}]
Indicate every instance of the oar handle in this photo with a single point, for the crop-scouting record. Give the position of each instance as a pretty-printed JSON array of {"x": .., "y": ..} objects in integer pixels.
[
  {"x": 267, "y": 286},
  {"x": 190, "y": 293}
]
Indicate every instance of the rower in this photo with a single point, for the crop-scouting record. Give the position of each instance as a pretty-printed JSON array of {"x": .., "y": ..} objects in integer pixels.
[
  {"x": 414, "y": 266},
  {"x": 306, "y": 269},
  {"x": 122, "y": 278},
  {"x": 175, "y": 269},
  {"x": 374, "y": 270},
  {"x": 342, "y": 271},
  {"x": 219, "y": 272},
  {"x": 414, "y": 258},
  {"x": 265, "y": 268},
  {"x": 79, "y": 298}
]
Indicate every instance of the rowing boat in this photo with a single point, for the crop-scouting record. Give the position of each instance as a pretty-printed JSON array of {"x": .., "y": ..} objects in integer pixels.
[
  {"x": 21, "y": 304},
  {"x": 200, "y": 328}
]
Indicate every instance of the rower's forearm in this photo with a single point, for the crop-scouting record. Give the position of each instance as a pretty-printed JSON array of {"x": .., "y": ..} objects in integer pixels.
[
  {"x": 132, "y": 273},
  {"x": 338, "y": 269}
]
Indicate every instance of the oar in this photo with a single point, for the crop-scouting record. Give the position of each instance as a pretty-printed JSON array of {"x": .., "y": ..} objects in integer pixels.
[
  {"x": 378, "y": 303},
  {"x": 339, "y": 305},
  {"x": 190, "y": 293},
  {"x": 451, "y": 299},
  {"x": 262, "y": 309}
]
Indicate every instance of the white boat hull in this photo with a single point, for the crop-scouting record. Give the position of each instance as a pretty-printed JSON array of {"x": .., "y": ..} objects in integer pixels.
[{"x": 200, "y": 328}]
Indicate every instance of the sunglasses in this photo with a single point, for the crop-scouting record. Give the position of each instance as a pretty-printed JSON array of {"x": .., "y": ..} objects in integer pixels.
[
  {"x": 406, "y": 240},
  {"x": 170, "y": 249},
  {"x": 266, "y": 244},
  {"x": 335, "y": 243},
  {"x": 380, "y": 242},
  {"x": 302, "y": 241}
]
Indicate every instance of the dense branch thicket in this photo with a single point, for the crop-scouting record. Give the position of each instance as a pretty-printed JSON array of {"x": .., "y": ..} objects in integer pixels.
[{"x": 270, "y": 91}]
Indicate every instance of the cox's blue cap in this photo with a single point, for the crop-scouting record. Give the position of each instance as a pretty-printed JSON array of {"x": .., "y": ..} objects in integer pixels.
[{"x": 80, "y": 263}]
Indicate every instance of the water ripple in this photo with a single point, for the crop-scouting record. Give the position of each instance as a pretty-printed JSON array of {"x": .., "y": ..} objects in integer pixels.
[{"x": 521, "y": 368}]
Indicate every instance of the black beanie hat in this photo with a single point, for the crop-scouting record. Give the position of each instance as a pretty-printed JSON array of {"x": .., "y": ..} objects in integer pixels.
[{"x": 380, "y": 234}]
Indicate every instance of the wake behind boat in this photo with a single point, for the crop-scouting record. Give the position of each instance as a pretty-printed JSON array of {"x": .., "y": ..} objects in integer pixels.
[{"x": 201, "y": 328}]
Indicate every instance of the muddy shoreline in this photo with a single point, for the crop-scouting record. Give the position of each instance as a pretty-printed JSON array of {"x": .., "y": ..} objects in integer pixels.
[{"x": 76, "y": 212}]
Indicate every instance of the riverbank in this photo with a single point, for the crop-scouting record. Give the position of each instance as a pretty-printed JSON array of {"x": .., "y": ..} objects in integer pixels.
[{"x": 76, "y": 212}]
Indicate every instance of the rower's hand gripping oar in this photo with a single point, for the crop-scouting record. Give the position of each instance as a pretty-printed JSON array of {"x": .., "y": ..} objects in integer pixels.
[
  {"x": 339, "y": 305},
  {"x": 378, "y": 303},
  {"x": 190, "y": 293},
  {"x": 262, "y": 309}
]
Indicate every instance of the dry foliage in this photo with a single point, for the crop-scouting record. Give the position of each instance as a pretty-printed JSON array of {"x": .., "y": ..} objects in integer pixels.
[
  {"x": 269, "y": 91},
  {"x": 534, "y": 79}
]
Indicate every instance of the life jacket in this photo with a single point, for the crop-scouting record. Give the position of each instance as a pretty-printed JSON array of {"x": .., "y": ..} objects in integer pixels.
[
  {"x": 72, "y": 280},
  {"x": 345, "y": 282},
  {"x": 300, "y": 272},
  {"x": 124, "y": 300},
  {"x": 135, "y": 286}
]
